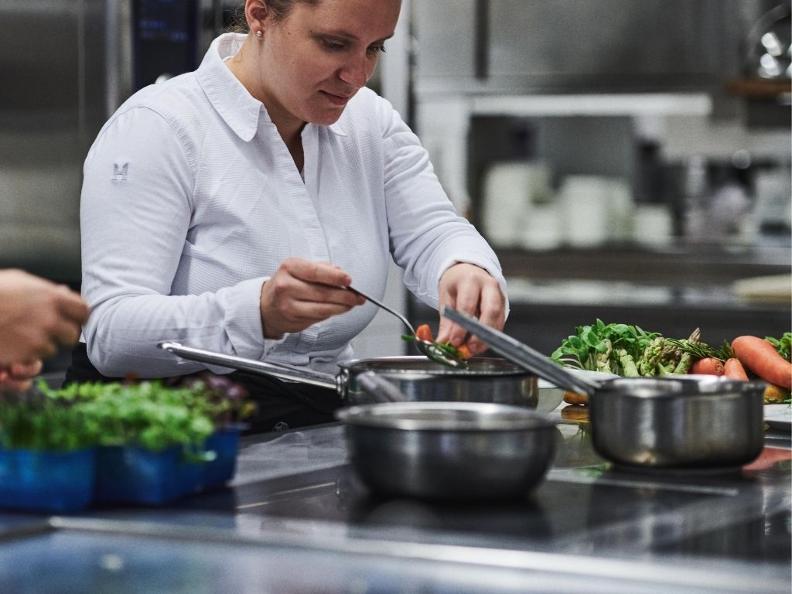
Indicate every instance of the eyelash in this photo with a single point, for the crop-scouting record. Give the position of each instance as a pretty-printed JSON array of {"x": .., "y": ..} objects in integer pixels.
[{"x": 336, "y": 46}]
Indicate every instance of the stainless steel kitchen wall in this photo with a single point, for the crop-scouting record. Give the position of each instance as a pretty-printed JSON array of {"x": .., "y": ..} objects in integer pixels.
[{"x": 65, "y": 66}]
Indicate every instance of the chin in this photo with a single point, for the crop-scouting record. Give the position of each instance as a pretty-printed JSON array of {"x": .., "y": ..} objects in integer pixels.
[{"x": 326, "y": 117}]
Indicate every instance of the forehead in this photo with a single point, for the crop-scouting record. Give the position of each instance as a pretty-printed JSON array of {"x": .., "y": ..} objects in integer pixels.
[{"x": 364, "y": 19}]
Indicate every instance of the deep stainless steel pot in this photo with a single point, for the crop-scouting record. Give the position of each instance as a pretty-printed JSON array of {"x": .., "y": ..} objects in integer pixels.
[
  {"x": 449, "y": 450},
  {"x": 677, "y": 423},
  {"x": 490, "y": 380},
  {"x": 652, "y": 422}
]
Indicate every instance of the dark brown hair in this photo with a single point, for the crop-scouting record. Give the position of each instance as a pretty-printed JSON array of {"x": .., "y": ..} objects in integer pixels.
[{"x": 280, "y": 10}]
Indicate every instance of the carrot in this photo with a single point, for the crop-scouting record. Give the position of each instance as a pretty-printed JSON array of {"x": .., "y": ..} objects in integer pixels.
[
  {"x": 424, "y": 332},
  {"x": 760, "y": 356},
  {"x": 733, "y": 369},
  {"x": 464, "y": 351},
  {"x": 708, "y": 366}
]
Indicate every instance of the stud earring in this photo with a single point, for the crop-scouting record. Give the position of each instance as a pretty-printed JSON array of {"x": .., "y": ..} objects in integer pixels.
[{"x": 259, "y": 34}]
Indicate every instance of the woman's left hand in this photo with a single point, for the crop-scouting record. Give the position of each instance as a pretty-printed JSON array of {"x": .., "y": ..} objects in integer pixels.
[{"x": 472, "y": 290}]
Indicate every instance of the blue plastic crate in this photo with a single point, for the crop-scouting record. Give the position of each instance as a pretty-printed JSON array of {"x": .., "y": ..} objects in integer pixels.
[
  {"x": 46, "y": 481},
  {"x": 225, "y": 445},
  {"x": 139, "y": 476}
]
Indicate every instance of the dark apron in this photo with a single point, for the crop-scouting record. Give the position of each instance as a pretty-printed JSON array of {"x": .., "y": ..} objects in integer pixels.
[{"x": 280, "y": 405}]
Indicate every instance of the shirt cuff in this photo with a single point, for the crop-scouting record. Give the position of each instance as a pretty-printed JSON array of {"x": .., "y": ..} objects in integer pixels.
[{"x": 242, "y": 311}]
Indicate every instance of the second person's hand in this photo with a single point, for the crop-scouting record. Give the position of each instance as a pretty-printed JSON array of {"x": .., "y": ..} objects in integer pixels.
[
  {"x": 302, "y": 293},
  {"x": 19, "y": 376}
]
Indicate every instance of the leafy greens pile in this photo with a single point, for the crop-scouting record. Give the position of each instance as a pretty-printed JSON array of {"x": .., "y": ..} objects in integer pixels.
[
  {"x": 783, "y": 345},
  {"x": 629, "y": 351},
  {"x": 146, "y": 414}
]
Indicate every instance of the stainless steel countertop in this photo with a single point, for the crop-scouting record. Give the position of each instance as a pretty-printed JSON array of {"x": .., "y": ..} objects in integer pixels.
[{"x": 296, "y": 519}]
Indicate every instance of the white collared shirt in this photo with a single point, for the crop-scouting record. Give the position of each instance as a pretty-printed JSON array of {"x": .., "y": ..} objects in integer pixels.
[{"x": 191, "y": 200}]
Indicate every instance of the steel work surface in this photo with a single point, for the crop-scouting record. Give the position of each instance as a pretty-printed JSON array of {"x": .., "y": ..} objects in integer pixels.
[{"x": 296, "y": 518}]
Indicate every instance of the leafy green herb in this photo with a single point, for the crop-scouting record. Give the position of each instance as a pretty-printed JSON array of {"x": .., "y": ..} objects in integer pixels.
[
  {"x": 630, "y": 351},
  {"x": 442, "y": 350},
  {"x": 604, "y": 347},
  {"x": 147, "y": 414},
  {"x": 783, "y": 345}
]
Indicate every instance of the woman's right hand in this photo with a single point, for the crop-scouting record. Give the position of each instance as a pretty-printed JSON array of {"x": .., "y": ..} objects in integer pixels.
[{"x": 302, "y": 293}]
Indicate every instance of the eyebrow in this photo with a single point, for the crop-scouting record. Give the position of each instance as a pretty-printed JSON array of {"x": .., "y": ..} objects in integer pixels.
[{"x": 348, "y": 36}]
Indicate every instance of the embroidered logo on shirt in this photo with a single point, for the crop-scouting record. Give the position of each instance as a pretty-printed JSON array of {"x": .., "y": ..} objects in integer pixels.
[{"x": 120, "y": 172}]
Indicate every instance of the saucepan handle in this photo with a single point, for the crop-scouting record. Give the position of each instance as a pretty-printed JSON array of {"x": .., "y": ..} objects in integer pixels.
[
  {"x": 314, "y": 378},
  {"x": 379, "y": 388},
  {"x": 521, "y": 354}
]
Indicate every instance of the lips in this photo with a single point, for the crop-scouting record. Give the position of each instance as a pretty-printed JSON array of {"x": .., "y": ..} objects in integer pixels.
[{"x": 338, "y": 100}]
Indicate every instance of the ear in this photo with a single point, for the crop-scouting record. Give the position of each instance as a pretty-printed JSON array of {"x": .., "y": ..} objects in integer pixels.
[{"x": 256, "y": 15}]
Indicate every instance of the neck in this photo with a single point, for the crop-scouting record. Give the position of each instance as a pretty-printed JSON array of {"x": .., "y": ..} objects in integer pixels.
[{"x": 247, "y": 68}]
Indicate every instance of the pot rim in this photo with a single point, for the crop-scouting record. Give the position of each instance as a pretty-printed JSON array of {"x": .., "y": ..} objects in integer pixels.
[
  {"x": 510, "y": 369},
  {"x": 474, "y": 417},
  {"x": 689, "y": 389}
]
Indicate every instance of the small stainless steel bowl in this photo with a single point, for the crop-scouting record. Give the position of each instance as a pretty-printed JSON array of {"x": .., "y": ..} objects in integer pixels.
[
  {"x": 448, "y": 450},
  {"x": 678, "y": 423}
]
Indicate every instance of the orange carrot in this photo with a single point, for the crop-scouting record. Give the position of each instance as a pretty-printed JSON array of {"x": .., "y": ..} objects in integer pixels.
[
  {"x": 464, "y": 351},
  {"x": 424, "y": 332},
  {"x": 708, "y": 366},
  {"x": 760, "y": 356},
  {"x": 733, "y": 369}
]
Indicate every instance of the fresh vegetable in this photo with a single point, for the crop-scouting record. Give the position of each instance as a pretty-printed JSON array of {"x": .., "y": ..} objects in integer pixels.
[
  {"x": 604, "y": 347},
  {"x": 464, "y": 351},
  {"x": 575, "y": 398},
  {"x": 762, "y": 358},
  {"x": 424, "y": 332},
  {"x": 733, "y": 369},
  {"x": 708, "y": 366},
  {"x": 775, "y": 394},
  {"x": 629, "y": 351},
  {"x": 783, "y": 345},
  {"x": 444, "y": 349},
  {"x": 32, "y": 421}
]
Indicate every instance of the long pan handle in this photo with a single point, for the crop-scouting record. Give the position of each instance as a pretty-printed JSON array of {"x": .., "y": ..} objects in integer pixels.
[
  {"x": 314, "y": 378},
  {"x": 522, "y": 354}
]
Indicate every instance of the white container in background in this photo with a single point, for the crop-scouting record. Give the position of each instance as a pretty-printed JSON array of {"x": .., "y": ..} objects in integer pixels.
[
  {"x": 542, "y": 230},
  {"x": 653, "y": 225},
  {"x": 621, "y": 211},
  {"x": 506, "y": 198},
  {"x": 585, "y": 206},
  {"x": 510, "y": 191}
]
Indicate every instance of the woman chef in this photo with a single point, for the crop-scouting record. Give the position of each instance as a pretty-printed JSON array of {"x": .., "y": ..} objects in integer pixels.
[{"x": 228, "y": 207}]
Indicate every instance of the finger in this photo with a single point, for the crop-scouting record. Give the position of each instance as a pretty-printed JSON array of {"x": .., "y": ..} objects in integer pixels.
[
  {"x": 66, "y": 333},
  {"x": 321, "y": 293},
  {"x": 24, "y": 371},
  {"x": 317, "y": 272},
  {"x": 72, "y": 306},
  {"x": 467, "y": 301},
  {"x": 15, "y": 385},
  {"x": 491, "y": 313},
  {"x": 303, "y": 314},
  {"x": 447, "y": 298}
]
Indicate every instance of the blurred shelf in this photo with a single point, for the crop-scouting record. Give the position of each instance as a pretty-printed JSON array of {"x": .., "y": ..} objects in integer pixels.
[
  {"x": 667, "y": 267},
  {"x": 758, "y": 88},
  {"x": 615, "y": 104}
]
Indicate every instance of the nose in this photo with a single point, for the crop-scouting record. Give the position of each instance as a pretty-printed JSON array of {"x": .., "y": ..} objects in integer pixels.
[{"x": 357, "y": 71}]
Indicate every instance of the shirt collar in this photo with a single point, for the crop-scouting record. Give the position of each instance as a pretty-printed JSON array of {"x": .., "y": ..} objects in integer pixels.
[{"x": 238, "y": 108}]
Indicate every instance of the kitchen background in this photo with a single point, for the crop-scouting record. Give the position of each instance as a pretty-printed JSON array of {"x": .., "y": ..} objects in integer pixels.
[{"x": 628, "y": 160}]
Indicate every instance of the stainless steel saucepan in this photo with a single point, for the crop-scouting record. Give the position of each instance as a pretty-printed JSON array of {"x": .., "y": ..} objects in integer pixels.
[
  {"x": 492, "y": 380},
  {"x": 446, "y": 450},
  {"x": 652, "y": 422}
]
